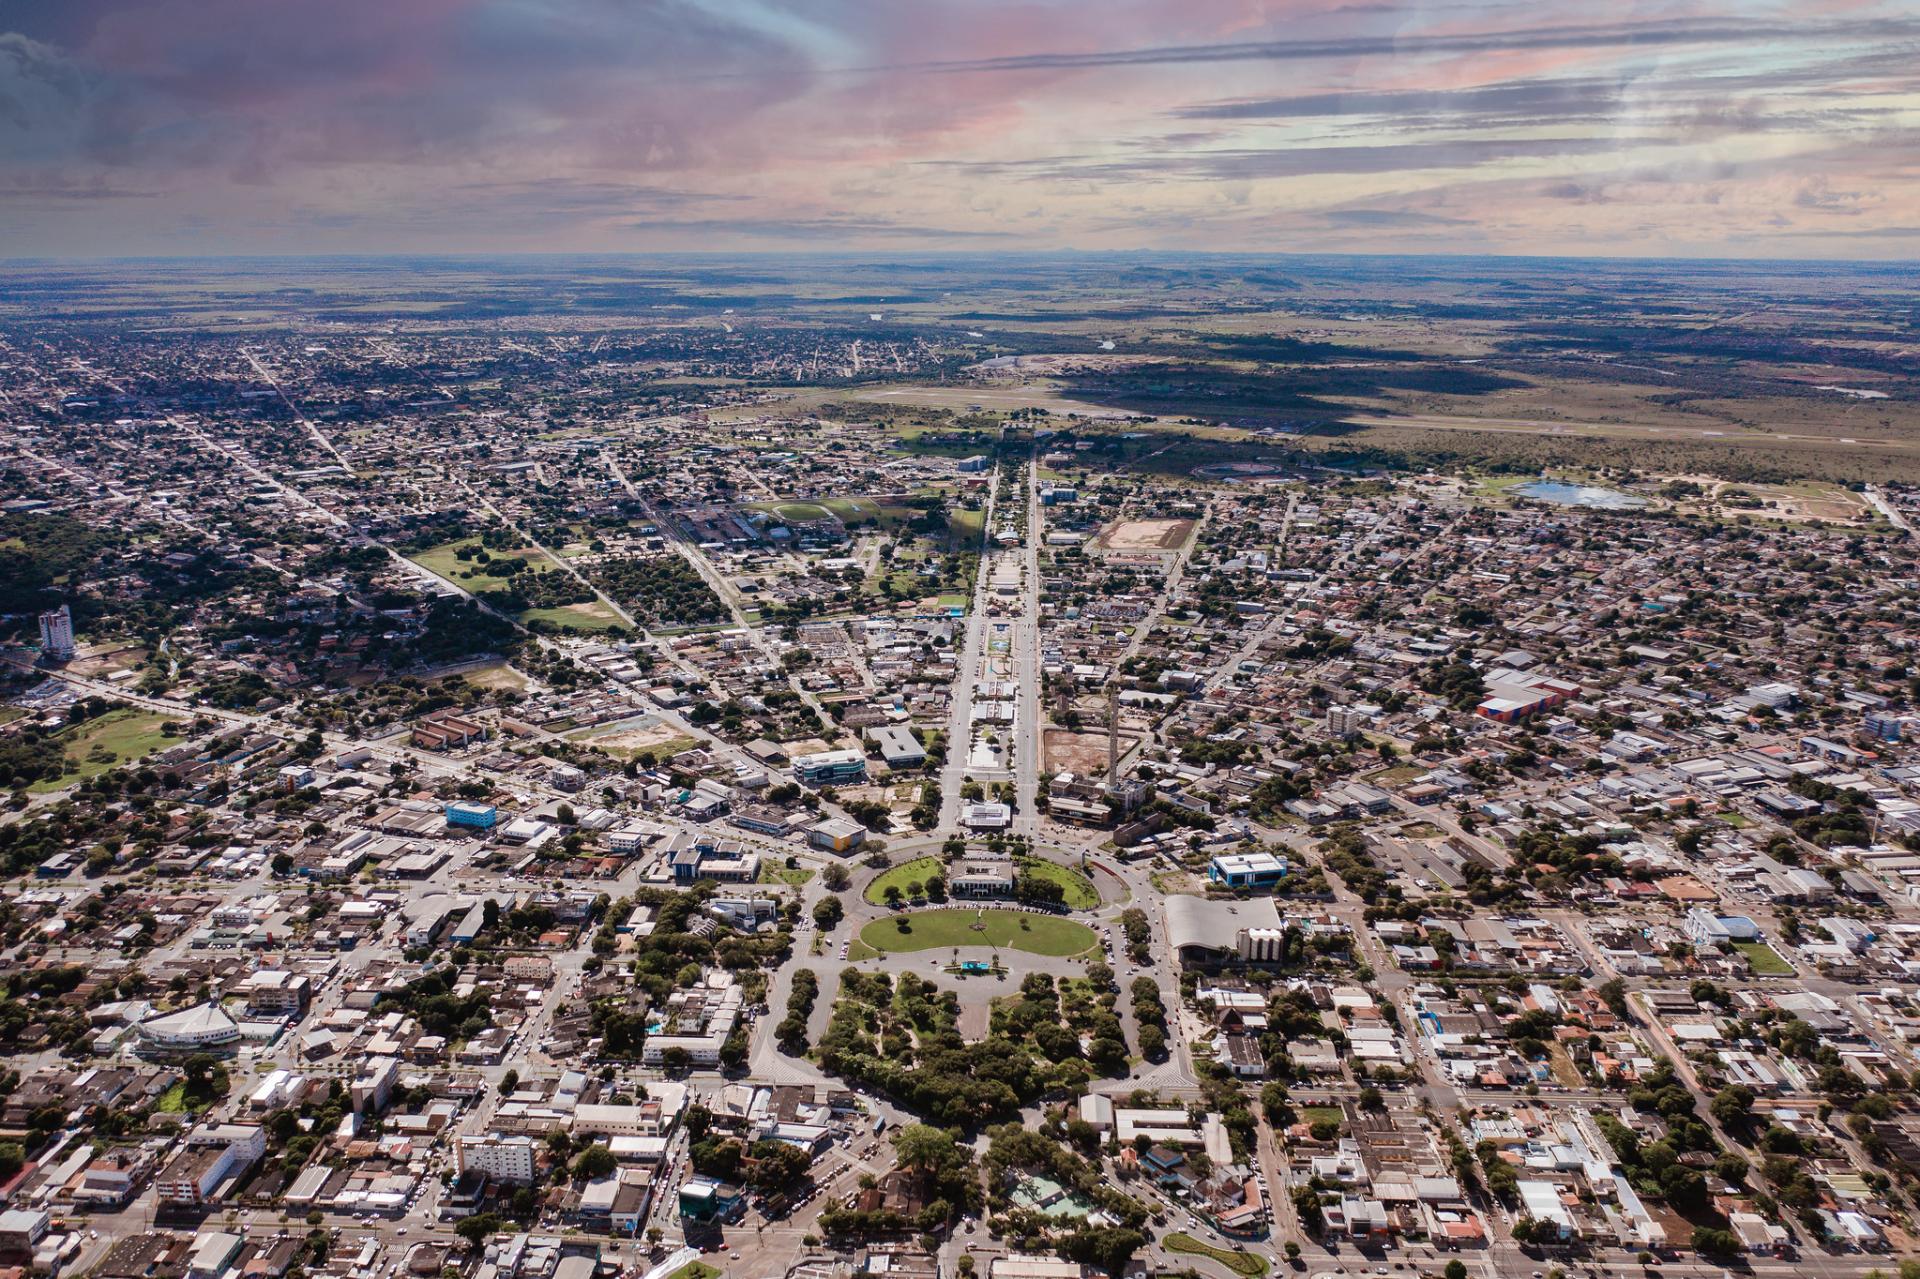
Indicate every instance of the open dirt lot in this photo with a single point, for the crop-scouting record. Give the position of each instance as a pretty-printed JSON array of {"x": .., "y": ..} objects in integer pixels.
[
  {"x": 1145, "y": 535},
  {"x": 1082, "y": 754},
  {"x": 631, "y": 737},
  {"x": 105, "y": 659}
]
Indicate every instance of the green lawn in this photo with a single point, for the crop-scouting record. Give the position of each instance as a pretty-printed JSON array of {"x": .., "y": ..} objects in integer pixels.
[
  {"x": 794, "y": 875},
  {"x": 591, "y": 616},
  {"x": 1241, "y": 1263},
  {"x": 1314, "y": 1114},
  {"x": 173, "y": 1101},
  {"x": 1765, "y": 960},
  {"x": 900, "y": 876},
  {"x": 444, "y": 561},
  {"x": 695, "y": 1270},
  {"x": 105, "y": 742},
  {"x": 1081, "y": 894},
  {"x": 964, "y": 528},
  {"x": 1020, "y": 930}
]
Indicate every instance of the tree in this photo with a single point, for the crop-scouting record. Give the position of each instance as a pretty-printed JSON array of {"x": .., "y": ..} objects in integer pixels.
[
  {"x": 1710, "y": 1242},
  {"x": 13, "y": 1157},
  {"x": 835, "y": 877},
  {"x": 1732, "y": 1105},
  {"x": 828, "y": 912},
  {"x": 1108, "y": 1247},
  {"x": 1456, "y": 1269},
  {"x": 1306, "y": 1204},
  {"x": 595, "y": 1161},
  {"x": 476, "y": 1229},
  {"x": 777, "y": 1165},
  {"x": 922, "y": 1148},
  {"x": 198, "y": 1070}
]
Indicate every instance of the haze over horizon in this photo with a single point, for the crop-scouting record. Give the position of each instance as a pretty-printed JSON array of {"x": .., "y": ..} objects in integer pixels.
[{"x": 502, "y": 126}]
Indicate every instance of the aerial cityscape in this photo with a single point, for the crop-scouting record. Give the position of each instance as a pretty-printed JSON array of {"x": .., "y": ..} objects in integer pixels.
[{"x": 720, "y": 709}]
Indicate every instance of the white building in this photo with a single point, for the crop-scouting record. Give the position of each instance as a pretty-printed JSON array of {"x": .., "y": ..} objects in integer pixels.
[
  {"x": 201, "y": 1027},
  {"x": 56, "y": 633},
  {"x": 501, "y": 1158}
]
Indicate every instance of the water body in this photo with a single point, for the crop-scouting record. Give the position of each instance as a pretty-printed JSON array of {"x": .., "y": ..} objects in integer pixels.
[
  {"x": 1579, "y": 495},
  {"x": 1853, "y": 392}
]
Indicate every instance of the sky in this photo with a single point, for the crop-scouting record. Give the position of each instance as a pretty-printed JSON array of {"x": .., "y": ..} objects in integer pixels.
[{"x": 161, "y": 127}]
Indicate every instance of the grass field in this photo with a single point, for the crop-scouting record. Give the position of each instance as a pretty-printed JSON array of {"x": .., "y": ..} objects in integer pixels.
[
  {"x": 1081, "y": 894},
  {"x": 444, "y": 561},
  {"x": 1017, "y": 930},
  {"x": 116, "y": 738},
  {"x": 1765, "y": 960},
  {"x": 1314, "y": 1114},
  {"x": 1241, "y": 1263},
  {"x": 494, "y": 675},
  {"x": 964, "y": 528},
  {"x": 852, "y": 508},
  {"x": 900, "y": 876},
  {"x": 591, "y": 616}
]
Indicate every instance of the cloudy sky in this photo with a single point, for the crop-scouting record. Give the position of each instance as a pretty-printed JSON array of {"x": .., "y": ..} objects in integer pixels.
[{"x": 346, "y": 126}]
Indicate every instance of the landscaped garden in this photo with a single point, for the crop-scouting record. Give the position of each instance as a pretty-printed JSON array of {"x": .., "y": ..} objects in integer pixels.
[{"x": 1013, "y": 929}]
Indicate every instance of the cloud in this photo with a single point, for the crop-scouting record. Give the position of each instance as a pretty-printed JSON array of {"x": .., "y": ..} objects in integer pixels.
[
  {"x": 835, "y": 230},
  {"x": 1631, "y": 35},
  {"x": 1389, "y": 219},
  {"x": 1248, "y": 164},
  {"x": 262, "y": 125}
]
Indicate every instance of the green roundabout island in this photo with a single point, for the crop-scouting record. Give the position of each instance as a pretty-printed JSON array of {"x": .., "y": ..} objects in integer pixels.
[{"x": 1011, "y": 929}]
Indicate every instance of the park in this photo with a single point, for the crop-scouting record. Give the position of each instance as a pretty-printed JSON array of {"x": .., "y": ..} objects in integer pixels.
[{"x": 1039, "y": 934}]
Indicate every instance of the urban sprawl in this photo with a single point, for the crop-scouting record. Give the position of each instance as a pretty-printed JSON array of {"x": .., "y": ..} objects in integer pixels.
[{"x": 502, "y": 802}]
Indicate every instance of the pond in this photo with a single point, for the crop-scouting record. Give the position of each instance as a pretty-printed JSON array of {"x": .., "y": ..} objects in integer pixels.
[{"x": 1563, "y": 494}]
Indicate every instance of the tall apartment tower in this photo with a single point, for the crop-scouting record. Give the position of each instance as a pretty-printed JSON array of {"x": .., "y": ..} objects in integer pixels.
[{"x": 56, "y": 633}]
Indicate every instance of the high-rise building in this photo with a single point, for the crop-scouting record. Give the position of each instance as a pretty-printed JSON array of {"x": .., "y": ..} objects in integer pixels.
[
  {"x": 1344, "y": 721},
  {"x": 502, "y": 1158},
  {"x": 56, "y": 633}
]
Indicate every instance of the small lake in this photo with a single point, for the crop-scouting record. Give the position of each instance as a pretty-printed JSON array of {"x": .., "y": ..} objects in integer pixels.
[{"x": 1562, "y": 494}]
